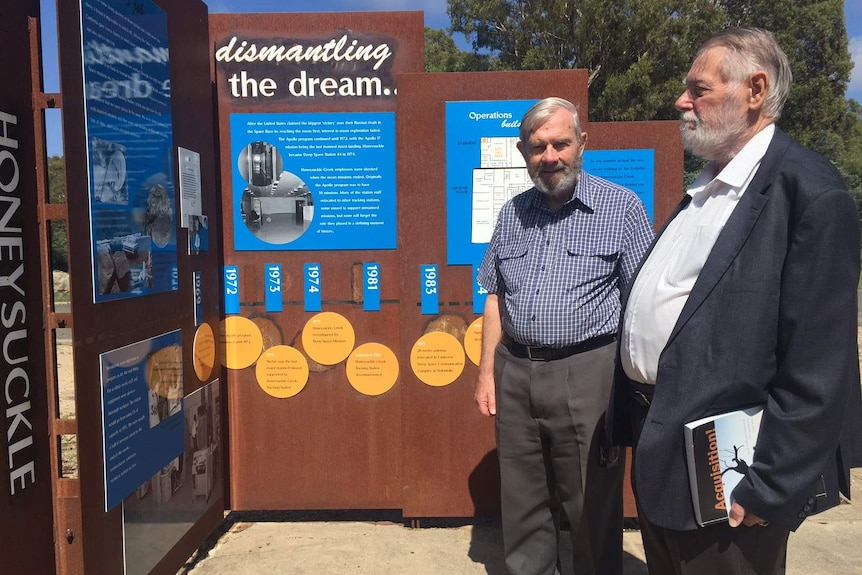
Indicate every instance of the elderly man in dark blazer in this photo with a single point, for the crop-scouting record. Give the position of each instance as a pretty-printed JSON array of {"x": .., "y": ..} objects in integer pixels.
[{"x": 747, "y": 297}]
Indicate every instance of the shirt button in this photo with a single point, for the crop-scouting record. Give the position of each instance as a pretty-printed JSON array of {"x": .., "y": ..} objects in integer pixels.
[
  {"x": 533, "y": 318},
  {"x": 537, "y": 292},
  {"x": 543, "y": 268}
]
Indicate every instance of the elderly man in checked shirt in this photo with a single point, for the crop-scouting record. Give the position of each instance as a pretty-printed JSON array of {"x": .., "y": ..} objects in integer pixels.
[{"x": 560, "y": 255}]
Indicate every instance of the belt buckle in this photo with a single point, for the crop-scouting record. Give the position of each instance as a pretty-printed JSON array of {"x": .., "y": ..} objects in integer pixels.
[{"x": 530, "y": 354}]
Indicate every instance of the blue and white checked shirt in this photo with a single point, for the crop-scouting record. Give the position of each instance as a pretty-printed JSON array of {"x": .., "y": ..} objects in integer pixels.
[{"x": 560, "y": 274}]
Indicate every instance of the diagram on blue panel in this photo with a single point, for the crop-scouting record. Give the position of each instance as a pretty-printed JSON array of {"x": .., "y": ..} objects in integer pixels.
[{"x": 501, "y": 175}]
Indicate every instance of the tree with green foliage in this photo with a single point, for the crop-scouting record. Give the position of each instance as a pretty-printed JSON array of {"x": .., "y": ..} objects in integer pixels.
[
  {"x": 442, "y": 55},
  {"x": 850, "y": 162},
  {"x": 57, "y": 195},
  {"x": 817, "y": 114},
  {"x": 636, "y": 51},
  {"x": 814, "y": 37}
]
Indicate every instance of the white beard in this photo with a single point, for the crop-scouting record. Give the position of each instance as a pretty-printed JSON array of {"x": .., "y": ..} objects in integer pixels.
[
  {"x": 718, "y": 141},
  {"x": 565, "y": 184}
]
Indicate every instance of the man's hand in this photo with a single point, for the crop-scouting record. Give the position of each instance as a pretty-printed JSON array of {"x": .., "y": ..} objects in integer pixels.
[
  {"x": 485, "y": 395},
  {"x": 738, "y": 517}
]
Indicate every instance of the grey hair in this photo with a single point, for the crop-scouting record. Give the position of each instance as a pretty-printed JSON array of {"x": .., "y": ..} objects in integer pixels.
[
  {"x": 544, "y": 109},
  {"x": 750, "y": 50}
]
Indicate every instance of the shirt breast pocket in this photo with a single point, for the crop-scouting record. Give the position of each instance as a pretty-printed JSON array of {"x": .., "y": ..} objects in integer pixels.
[
  {"x": 591, "y": 261},
  {"x": 513, "y": 265},
  {"x": 688, "y": 255}
]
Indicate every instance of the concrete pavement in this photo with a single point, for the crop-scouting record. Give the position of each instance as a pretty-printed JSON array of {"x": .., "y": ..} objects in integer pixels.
[{"x": 298, "y": 544}]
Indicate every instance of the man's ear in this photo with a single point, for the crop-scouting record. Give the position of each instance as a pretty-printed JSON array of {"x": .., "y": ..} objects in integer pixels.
[
  {"x": 583, "y": 145},
  {"x": 520, "y": 145},
  {"x": 758, "y": 86}
]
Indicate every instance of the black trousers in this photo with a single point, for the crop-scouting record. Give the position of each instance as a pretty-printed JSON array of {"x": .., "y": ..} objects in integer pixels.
[{"x": 713, "y": 550}]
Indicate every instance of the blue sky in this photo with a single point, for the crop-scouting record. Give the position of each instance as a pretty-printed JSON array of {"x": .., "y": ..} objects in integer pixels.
[{"x": 435, "y": 17}]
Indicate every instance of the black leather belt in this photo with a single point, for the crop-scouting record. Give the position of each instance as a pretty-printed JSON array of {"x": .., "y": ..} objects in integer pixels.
[{"x": 539, "y": 353}]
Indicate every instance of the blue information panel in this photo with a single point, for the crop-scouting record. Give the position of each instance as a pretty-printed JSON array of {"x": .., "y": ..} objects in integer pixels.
[
  {"x": 313, "y": 286},
  {"x": 272, "y": 274},
  {"x": 231, "y": 289},
  {"x": 481, "y": 147},
  {"x": 142, "y": 412},
  {"x": 484, "y": 169},
  {"x": 371, "y": 287},
  {"x": 322, "y": 181},
  {"x": 127, "y": 97},
  {"x": 633, "y": 169},
  {"x": 430, "y": 295}
]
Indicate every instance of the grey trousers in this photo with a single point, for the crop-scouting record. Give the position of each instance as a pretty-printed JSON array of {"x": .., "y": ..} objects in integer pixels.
[{"x": 548, "y": 425}]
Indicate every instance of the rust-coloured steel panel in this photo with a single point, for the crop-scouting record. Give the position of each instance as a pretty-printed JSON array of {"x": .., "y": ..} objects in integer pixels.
[
  {"x": 450, "y": 464},
  {"x": 106, "y": 326},
  {"x": 26, "y": 527},
  {"x": 328, "y": 447}
]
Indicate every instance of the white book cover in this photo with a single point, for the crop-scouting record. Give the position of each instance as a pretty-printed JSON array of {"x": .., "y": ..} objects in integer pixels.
[{"x": 719, "y": 449}]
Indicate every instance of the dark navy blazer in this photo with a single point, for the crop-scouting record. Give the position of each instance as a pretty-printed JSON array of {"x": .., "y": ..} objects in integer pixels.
[{"x": 770, "y": 320}]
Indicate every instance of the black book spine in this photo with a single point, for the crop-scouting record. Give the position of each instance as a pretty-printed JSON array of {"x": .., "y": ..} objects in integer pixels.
[{"x": 710, "y": 488}]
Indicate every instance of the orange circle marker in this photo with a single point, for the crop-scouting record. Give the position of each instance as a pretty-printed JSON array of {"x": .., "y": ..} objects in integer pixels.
[
  {"x": 328, "y": 338},
  {"x": 473, "y": 341},
  {"x": 437, "y": 358},
  {"x": 242, "y": 342},
  {"x": 281, "y": 371},
  {"x": 203, "y": 351},
  {"x": 372, "y": 369}
]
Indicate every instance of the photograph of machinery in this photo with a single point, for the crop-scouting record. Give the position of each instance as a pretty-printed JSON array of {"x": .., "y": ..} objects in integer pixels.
[{"x": 276, "y": 206}]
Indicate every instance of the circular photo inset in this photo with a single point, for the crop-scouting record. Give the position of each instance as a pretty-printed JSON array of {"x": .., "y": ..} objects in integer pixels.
[
  {"x": 276, "y": 205},
  {"x": 260, "y": 164}
]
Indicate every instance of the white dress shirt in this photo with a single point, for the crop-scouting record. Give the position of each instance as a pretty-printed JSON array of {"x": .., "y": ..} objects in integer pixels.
[{"x": 665, "y": 281}]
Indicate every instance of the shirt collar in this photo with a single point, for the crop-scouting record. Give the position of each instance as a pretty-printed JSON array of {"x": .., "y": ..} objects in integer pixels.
[
  {"x": 584, "y": 193},
  {"x": 737, "y": 173}
]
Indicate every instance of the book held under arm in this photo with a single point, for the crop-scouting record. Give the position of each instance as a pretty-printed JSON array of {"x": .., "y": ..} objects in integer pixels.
[{"x": 719, "y": 449}]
